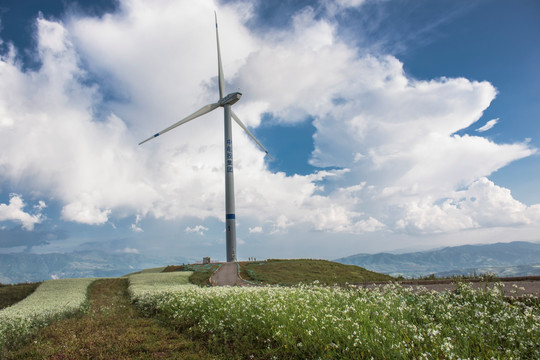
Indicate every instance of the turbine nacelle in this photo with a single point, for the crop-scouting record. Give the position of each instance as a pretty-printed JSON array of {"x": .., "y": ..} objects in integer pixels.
[{"x": 230, "y": 99}]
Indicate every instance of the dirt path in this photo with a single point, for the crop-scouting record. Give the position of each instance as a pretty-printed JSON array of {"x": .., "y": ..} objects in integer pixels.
[
  {"x": 112, "y": 329},
  {"x": 227, "y": 275},
  {"x": 510, "y": 288}
]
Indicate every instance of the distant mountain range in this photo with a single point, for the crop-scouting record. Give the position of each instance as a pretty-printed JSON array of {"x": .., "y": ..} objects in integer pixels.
[
  {"x": 502, "y": 259},
  {"x": 517, "y": 258},
  {"x": 28, "y": 267}
]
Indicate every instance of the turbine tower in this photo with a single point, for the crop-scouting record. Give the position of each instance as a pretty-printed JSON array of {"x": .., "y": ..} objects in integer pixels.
[{"x": 225, "y": 101}]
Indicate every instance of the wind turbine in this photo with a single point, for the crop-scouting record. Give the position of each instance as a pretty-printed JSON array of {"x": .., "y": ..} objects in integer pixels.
[{"x": 225, "y": 101}]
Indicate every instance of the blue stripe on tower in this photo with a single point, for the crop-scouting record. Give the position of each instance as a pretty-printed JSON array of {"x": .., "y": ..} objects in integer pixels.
[{"x": 230, "y": 216}]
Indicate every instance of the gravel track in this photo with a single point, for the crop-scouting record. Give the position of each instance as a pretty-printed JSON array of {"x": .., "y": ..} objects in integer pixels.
[
  {"x": 227, "y": 275},
  {"x": 511, "y": 287}
]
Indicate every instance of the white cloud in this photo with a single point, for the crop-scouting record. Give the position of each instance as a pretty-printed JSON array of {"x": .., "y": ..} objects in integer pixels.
[
  {"x": 492, "y": 205},
  {"x": 393, "y": 137},
  {"x": 281, "y": 224},
  {"x": 85, "y": 163},
  {"x": 481, "y": 205},
  {"x": 40, "y": 206},
  {"x": 394, "y": 133},
  {"x": 135, "y": 226},
  {"x": 199, "y": 229},
  {"x": 85, "y": 213},
  {"x": 256, "y": 230},
  {"x": 491, "y": 123},
  {"x": 14, "y": 211},
  {"x": 129, "y": 250},
  {"x": 334, "y": 7}
]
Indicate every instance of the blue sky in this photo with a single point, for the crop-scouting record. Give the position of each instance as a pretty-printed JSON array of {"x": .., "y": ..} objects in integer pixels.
[{"x": 395, "y": 125}]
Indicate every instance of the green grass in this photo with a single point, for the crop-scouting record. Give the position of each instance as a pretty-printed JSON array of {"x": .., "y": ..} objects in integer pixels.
[
  {"x": 111, "y": 329},
  {"x": 151, "y": 282},
  {"x": 292, "y": 272},
  {"x": 316, "y": 322},
  {"x": 51, "y": 301},
  {"x": 149, "y": 270},
  {"x": 201, "y": 272},
  {"x": 161, "y": 316},
  {"x": 286, "y": 272},
  {"x": 11, "y": 294}
]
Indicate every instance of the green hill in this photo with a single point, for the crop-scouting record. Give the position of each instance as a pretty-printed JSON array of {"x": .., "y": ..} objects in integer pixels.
[{"x": 295, "y": 271}]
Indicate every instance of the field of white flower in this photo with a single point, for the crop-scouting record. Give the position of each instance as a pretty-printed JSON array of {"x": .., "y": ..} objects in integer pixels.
[
  {"x": 144, "y": 287},
  {"x": 312, "y": 322},
  {"x": 152, "y": 282},
  {"x": 52, "y": 300}
]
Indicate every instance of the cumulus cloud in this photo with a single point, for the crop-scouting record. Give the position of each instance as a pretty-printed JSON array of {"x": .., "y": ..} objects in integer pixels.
[
  {"x": 488, "y": 125},
  {"x": 85, "y": 163},
  {"x": 129, "y": 250},
  {"x": 334, "y": 7},
  {"x": 256, "y": 230},
  {"x": 107, "y": 83},
  {"x": 392, "y": 132},
  {"x": 14, "y": 211},
  {"x": 198, "y": 229},
  {"x": 482, "y": 204},
  {"x": 135, "y": 226},
  {"x": 85, "y": 213},
  {"x": 40, "y": 205},
  {"x": 492, "y": 205}
]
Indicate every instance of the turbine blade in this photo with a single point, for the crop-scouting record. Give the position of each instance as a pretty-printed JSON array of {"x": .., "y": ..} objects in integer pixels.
[
  {"x": 235, "y": 117},
  {"x": 204, "y": 110},
  {"x": 220, "y": 67}
]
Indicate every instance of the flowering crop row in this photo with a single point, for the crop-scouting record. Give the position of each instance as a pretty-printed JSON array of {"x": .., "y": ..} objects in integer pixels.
[
  {"x": 53, "y": 299},
  {"x": 311, "y": 322},
  {"x": 143, "y": 283},
  {"x": 149, "y": 285}
]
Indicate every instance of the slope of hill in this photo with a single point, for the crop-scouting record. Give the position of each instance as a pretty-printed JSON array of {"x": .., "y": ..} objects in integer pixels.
[
  {"x": 28, "y": 267},
  {"x": 295, "y": 271},
  {"x": 503, "y": 259}
]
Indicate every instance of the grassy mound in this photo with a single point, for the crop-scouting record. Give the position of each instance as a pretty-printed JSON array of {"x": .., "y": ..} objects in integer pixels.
[
  {"x": 11, "y": 294},
  {"x": 291, "y": 272},
  {"x": 111, "y": 329},
  {"x": 201, "y": 272}
]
